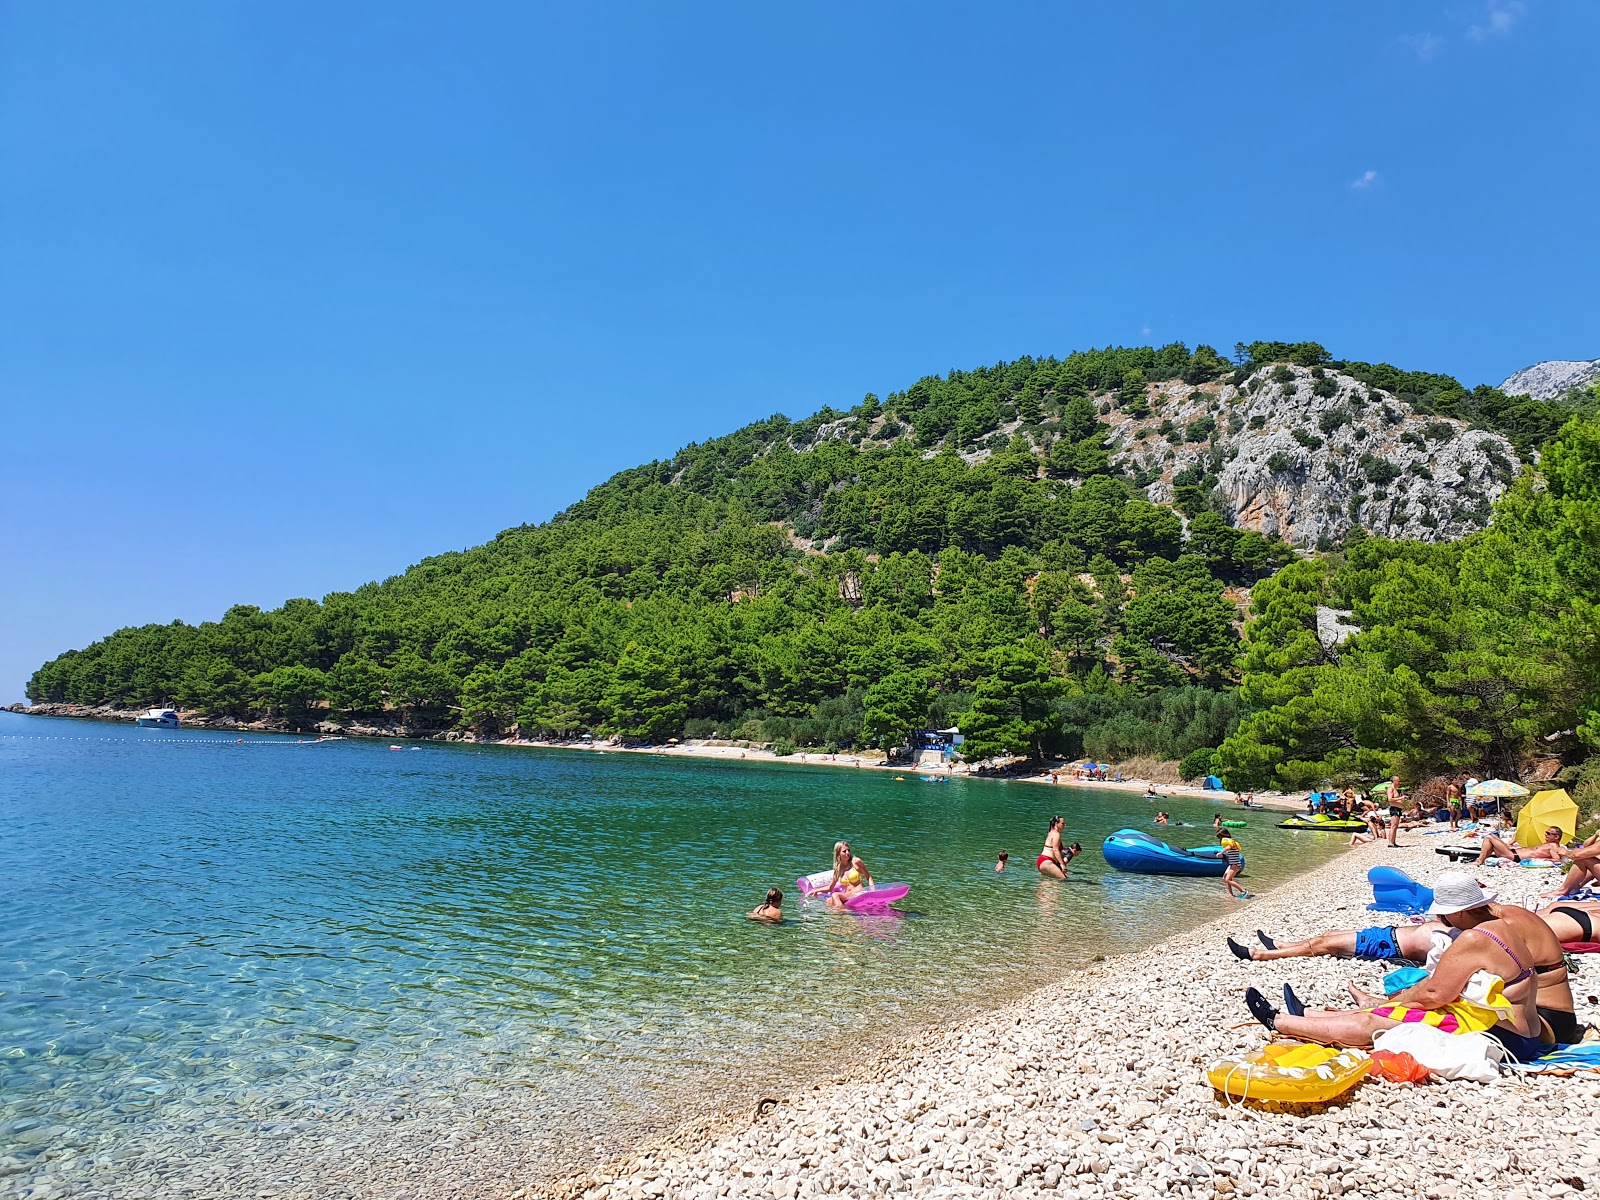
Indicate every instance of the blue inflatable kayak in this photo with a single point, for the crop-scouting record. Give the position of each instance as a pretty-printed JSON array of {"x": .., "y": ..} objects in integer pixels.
[{"x": 1141, "y": 854}]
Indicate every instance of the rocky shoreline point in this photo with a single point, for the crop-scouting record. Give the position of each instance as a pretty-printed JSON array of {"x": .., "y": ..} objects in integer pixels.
[{"x": 1095, "y": 1087}]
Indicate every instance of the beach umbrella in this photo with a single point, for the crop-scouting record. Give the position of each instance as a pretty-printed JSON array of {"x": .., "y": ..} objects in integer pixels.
[
  {"x": 1381, "y": 790},
  {"x": 1544, "y": 810},
  {"x": 1497, "y": 787}
]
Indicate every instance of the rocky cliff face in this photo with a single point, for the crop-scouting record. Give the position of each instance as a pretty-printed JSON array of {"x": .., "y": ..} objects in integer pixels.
[
  {"x": 1548, "y": 380},
  {"x": 1307, "y": 454}
]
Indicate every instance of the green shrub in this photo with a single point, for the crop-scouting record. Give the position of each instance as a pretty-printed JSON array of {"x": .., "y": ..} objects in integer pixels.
[
  {"x": 1198, "y": 763},
  {"x": 1307, "y": 439},
  {"x": 1439, "y": 431},
  {"x": 1199, "y": 429},
  {"x": 1325, "y": 387},
  {"x": 1379, "y": 470},
  {"x": 1258, "y": 421},
  {"x": 1420, "y": 470},
  {"x": 1281, "y": 462},
  {"x": 1282, "y": 375},
  {"x": 1330, "y": 421},
  {"x": 783, "y": 747}
]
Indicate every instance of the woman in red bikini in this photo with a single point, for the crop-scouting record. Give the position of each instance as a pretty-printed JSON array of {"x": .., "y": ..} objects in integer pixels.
[{"x": 1051, "y": 862}]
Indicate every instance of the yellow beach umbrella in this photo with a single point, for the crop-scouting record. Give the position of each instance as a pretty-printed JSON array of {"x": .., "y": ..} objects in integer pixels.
[
  {"x": 1544, "y": 811},
  {"x": 1497, "y": 787}
]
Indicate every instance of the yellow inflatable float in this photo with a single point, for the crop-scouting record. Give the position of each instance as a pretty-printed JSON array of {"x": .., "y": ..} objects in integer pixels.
[{"x": 1292, "y": 1072}]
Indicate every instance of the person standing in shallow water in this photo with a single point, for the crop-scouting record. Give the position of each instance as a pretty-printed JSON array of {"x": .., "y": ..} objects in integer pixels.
[
  {"x": 1234, "y": 853},
  {"x": 1052, "y": 862}
]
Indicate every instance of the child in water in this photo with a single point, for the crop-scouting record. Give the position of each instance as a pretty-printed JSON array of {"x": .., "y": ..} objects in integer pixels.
[
  {"x": 771, "y": 911},
  {"x": 1000, "y": 863}
]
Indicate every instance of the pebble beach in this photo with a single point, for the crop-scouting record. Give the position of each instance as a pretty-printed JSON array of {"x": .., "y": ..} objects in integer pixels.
[{"x": 1094, "y": 1086}]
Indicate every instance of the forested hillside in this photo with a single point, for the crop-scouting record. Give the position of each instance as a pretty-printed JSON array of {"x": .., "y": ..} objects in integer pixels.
[{"x": 980, "y": 547}]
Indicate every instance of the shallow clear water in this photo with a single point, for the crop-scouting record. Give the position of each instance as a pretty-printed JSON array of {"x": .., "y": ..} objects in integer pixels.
[{"x": 205, "y": 938}]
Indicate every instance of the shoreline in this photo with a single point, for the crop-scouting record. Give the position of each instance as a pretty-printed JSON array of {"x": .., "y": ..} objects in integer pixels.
[
  {"x": 1046, "y": 1095},
  {"x": 696, "y": 748}
]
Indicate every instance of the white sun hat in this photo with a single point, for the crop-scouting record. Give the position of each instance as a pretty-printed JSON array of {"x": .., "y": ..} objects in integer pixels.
[{"x": 1456, "y": 891}]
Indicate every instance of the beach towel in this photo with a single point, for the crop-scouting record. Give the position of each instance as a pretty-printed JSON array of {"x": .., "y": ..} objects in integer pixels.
[
  {"x": 1581, "y": 947},
  {"x": 1584, "y": 1057}
]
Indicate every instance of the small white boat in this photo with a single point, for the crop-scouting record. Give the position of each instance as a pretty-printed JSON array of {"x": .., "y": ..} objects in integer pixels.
[{"x": 158, "y": 718}]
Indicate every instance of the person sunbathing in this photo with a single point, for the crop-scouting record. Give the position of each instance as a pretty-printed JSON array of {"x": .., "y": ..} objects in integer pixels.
[
  {"x": 1573, "y": 921},
  {"x": 1376, "y": 943},
  {"x": 1484, "y": 982},
  {"x": 1551, "y": 850}
]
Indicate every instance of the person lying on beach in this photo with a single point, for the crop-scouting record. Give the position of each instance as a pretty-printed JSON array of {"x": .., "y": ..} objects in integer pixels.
[
  {"x": 1000, "y": 863},
  {"x": 1573, "y": 920},
  {"x": 1486, "y": 981},
  {"x": 1376, "y": 943},
  {"x": 770, "y": 911},
  {"x": 1550, "y": 851}
]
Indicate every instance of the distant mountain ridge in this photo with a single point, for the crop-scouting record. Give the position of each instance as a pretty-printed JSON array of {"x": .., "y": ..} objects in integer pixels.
[{"x": 1552, "y": 379}]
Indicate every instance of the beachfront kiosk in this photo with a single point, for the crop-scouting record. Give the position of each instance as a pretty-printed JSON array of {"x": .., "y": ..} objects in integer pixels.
[{"x": 945, "y": 741}]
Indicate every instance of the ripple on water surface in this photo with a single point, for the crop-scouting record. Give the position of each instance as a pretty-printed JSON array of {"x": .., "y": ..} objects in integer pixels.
[{"x": 246, "y": 948}]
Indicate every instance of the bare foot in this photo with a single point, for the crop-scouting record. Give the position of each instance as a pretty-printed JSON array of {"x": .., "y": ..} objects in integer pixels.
[{"x": 1365, "y": 999}]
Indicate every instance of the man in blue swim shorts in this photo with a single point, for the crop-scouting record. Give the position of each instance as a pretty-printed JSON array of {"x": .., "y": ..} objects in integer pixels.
[{"x": 1376, "y": 943}]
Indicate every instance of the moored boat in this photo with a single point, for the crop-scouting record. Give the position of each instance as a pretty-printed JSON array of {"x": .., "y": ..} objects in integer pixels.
[
  {"x": 157, "y": 718},
  {"x": 1139, "y": 853},
  {"x": 1324, "y": 823}
]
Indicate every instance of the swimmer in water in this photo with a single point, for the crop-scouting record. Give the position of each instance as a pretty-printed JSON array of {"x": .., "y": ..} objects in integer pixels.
[
  {"x": 771, "y": 911},
  {"x": 1000, "y": 863},
  {"x": 1163, "y": 819}
]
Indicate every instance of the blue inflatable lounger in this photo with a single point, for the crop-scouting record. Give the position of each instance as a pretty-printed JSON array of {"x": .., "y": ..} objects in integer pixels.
[{"x": 1395, "y": 891}]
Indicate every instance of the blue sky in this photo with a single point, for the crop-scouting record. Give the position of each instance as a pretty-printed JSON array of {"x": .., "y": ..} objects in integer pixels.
[{"x": 292, "y": 295}]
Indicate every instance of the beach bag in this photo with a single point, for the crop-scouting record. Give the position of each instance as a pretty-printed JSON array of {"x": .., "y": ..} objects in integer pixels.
[{"x": 1474, "y": 1056}]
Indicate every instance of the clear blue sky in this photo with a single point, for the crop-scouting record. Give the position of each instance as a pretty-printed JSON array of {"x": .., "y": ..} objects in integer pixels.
[{"x": 292, "y": 295}]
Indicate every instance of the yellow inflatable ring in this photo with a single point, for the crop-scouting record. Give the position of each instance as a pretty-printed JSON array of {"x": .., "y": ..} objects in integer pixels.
[{"x": 1293, "y": 1072}]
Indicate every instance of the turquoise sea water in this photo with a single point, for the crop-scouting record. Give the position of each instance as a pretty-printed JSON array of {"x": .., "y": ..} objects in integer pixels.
[{"x": 207, "y": 940}]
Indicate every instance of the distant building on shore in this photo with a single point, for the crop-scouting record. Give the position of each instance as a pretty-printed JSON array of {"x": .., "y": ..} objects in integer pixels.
[{"x": 945, "y": 741}]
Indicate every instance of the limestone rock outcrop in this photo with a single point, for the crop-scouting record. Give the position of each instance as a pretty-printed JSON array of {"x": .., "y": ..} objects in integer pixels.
[
  {"x": 1548, "y": 380},
  {"x": 1306, "y": 454}
]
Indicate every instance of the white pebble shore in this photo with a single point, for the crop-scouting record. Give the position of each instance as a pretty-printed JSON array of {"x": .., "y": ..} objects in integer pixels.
[{"x": 1094, "y": 1086}]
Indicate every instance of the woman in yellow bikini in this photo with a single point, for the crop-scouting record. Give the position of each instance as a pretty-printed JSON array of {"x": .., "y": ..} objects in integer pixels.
[{"x": 853, "y": 882}]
